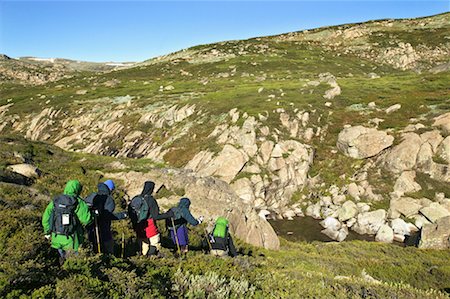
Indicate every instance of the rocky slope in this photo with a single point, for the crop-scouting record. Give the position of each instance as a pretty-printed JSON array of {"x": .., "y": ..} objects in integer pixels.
[{"x": 345, "y": 123}]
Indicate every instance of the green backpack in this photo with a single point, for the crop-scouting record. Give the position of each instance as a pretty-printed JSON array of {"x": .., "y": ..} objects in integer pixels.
[{"x": 221, "y": 227}]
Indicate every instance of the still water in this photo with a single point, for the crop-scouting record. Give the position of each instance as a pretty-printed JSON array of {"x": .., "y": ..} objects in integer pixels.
[{"x": 308, "y": 229}]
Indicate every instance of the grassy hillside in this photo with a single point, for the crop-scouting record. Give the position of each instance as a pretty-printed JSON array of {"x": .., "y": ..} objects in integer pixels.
[{"x": 28, "y": 267}]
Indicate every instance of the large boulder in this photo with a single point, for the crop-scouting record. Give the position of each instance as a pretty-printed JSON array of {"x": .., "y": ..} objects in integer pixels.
[
  {"x": 210, "y": 197},
  {"x": 437, "y": 235},
  {"x": 370, "y": 222},
  {"x": 360, "y": 142},
  {"x": 401, "y": 227},
  {"x": 434, "y": 212},
  {"x": 405, "y": 206},
  {"x": 347, "y": 211},
  {"x": 26, "y": 170},
  {"x": 226, "y": 165},
  {"x": 404, "y": 155},
  {"x": 385, "y": 234}
]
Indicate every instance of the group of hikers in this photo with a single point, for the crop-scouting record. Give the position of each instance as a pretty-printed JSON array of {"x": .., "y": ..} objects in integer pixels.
[{"x": 68, "y": 216}]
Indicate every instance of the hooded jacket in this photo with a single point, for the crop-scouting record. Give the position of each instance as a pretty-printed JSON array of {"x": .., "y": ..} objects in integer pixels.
[
  {"x": 73, "y": 188},
  {"x": 182, "y": 214},
  {"x": 104, "y": 202},
  {"x": 148, "y": 228}
]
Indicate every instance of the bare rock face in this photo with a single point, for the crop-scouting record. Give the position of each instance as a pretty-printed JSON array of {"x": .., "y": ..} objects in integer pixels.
[
  {"x": 437, "y": 235},
  {"x": 209, "y": 197},
  {"x": 26, "y": 170},
  {"x": 360, "y": 142}
]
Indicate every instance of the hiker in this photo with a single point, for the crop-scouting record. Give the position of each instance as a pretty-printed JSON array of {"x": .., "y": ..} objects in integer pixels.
[
  {"x": 220, "y": 241},
  {"x": 64, "y": 218},
  {"x": 144, "y": 212},
  {"x": 102, "y": 206},
  {"x": 181, "y": 217}
]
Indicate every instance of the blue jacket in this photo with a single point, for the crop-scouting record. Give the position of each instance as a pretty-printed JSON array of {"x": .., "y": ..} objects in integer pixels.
[{"x": 182, "y": 215}]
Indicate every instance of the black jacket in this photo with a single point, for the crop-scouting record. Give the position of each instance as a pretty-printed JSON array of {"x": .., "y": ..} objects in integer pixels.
[
  {"x": 153, "y": 206},
  {"x": 104, "y": 203}
]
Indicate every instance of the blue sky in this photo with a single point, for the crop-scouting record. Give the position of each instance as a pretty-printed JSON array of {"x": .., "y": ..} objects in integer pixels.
[{"x": 135, "y": 31}]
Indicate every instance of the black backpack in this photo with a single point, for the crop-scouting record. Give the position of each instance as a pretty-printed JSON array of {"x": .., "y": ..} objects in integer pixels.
[
  {"x": 98, "y": 202},
  {"x": 64, "y": 219},
  {"x": 138, "y": 209}
]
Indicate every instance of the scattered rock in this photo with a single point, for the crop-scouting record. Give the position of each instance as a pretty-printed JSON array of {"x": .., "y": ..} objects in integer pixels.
[
  {"x": 393, "y": 108},
  {"x": 405, "y": 206}
]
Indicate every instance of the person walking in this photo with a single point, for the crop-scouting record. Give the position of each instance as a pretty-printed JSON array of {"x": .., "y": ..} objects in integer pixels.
[
  {"x": 177, "y": 225},
  {"x": 102, "y": 206},
  {"x": 144, "y": 212},
  {"x": 64, "y": 218},
  {"x": 220, "y": 241}
]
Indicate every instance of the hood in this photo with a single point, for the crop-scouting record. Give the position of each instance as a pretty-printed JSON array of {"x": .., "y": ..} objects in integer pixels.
[
  {"x": 184, "y": 203},
  {"x": 148, "y": 188},
  {"x": 73, "y": 188},
  {"x": 103, "y": 189}
]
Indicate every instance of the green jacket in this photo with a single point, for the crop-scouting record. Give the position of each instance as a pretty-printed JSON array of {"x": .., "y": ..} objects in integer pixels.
[{"x": 73, "y": 188}]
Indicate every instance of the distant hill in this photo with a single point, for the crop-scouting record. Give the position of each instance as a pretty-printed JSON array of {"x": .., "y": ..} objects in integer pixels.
[{"x": 35, "y": 71}]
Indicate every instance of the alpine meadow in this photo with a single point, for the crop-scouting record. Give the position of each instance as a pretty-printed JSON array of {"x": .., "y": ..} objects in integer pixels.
[{"x": 345, "y": 126}]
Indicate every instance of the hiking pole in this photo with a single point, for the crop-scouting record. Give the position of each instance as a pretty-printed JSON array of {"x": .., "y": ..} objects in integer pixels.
[
  {"x": 97, "y": 235},
  {"x": 123, "y": 244},
  {"x": 176, "y": 237}
]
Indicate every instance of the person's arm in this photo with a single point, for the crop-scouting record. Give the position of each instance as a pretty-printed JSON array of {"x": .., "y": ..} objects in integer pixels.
[
  {"x": 166, "y": 215},
  {"x": 189, "y": 218},
  {"x": 231, "y": 247},
  {"x": 83, "y": 213},
  {"x": 46, "y": 218}
]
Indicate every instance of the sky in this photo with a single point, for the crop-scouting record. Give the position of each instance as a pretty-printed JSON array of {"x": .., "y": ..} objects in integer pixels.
[{"x": 139, "y": 30}]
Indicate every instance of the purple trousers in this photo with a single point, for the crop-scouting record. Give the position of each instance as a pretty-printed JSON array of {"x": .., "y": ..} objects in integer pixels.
[{"x": 182, "y": 234}]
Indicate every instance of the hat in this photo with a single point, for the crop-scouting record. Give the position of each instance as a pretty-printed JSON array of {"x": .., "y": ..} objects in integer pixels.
[{"x": 110, "y": 185}]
